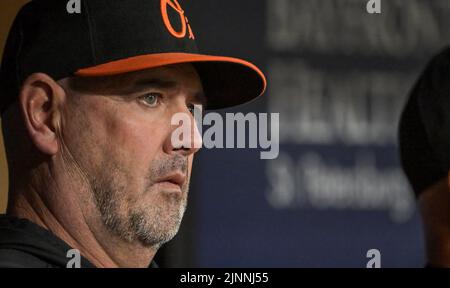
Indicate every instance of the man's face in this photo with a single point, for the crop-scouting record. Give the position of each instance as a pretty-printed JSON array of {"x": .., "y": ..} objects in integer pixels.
[{"x": 117, "y": 133}]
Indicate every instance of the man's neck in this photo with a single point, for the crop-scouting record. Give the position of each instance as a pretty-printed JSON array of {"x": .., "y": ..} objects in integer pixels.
[
  {"x": 438, "y": 248},
  {"x": 435, "y": 209}
]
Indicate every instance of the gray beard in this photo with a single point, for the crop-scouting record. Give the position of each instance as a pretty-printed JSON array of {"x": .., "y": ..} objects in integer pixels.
[{"x": 148, "y": 225}]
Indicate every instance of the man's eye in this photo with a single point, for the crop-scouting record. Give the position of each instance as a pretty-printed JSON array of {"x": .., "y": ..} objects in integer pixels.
[{"x": 151, "y": 99}]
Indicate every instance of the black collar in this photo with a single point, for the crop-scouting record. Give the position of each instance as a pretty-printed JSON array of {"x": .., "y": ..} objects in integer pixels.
[{"x": 32, "y": 241}]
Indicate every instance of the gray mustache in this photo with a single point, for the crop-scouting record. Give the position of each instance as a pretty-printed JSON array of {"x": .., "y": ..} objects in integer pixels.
[{"x": 169, "y": 166}]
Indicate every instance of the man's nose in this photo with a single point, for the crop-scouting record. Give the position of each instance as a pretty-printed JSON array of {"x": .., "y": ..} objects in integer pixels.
[{"x": 185, "y": 136}]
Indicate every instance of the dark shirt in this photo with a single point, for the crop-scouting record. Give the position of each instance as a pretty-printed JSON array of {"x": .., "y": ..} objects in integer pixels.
[{"x": 24, "y": 244}]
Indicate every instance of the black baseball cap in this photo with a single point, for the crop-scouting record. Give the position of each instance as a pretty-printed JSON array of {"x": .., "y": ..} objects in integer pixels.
[
  {"x": 424, "y": 130},
  {"x": 114, "y": 37}
]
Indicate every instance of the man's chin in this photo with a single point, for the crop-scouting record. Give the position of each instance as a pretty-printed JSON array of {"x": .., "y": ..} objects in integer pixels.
[{"x": 153, "y": 229}]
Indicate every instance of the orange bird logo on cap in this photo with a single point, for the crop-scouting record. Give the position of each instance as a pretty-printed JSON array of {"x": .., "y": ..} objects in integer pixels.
[{"x": 185, "y": 27}]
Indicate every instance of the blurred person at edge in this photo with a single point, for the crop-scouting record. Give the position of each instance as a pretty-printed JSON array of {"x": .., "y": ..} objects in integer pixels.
[{"x": 424, "y": 138}]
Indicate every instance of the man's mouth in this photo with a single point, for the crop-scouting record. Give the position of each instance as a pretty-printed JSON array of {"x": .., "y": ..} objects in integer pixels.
[{"x": 173, "y": 181}]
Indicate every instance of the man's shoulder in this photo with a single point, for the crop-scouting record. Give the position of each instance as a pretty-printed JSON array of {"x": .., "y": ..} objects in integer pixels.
[
  {"x": 12, "y": 258},
  {"x": 26, "y": 244}
]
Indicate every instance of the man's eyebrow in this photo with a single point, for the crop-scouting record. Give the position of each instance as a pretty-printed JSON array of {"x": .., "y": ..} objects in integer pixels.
[{"x": 154, "y": 83}]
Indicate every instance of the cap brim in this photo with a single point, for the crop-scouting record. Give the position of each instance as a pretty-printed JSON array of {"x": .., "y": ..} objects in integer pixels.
[{"x": 227, "y": 81}]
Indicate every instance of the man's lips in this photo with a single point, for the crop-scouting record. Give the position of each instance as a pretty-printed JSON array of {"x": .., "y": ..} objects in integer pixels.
[{"x": 174, "y": 180}]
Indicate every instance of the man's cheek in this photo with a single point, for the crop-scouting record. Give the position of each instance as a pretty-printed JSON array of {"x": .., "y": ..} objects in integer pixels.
[{"x": 136, "y": 142}]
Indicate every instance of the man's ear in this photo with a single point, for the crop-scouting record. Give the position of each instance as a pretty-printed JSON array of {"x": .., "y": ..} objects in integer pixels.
[{"x": 40, "y": 101}]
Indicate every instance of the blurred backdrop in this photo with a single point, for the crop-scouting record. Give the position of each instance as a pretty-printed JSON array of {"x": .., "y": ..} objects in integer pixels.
[{"x": 339, "y": 78}]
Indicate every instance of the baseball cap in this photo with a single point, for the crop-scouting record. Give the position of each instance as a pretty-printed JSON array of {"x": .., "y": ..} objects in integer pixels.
[
  {"x": 424, "y": 130},
  {"x": 114, "y": 37}
]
